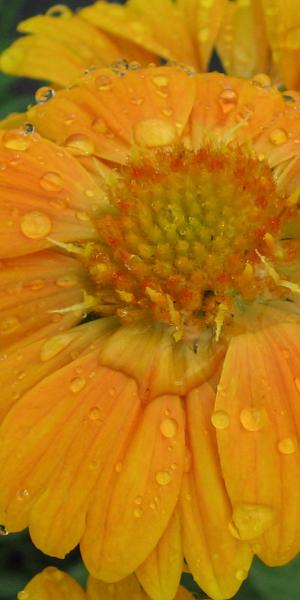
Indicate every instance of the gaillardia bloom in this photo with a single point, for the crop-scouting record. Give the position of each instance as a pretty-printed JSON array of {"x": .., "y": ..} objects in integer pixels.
[
  {"x": 53, "y": 584},
  {"x": 150, "y": 326},
  {"x": 250, "y": 36}
]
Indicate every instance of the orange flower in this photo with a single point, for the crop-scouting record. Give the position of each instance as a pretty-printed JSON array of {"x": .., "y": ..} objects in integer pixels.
[
  {"x": 53, "y": 584},
  {"x": 167, "y": 205},
  {"x": 250, "y": 36}
]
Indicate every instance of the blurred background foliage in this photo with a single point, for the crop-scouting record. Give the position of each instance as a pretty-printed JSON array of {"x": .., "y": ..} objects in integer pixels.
[{"x": 19, "y": 560}]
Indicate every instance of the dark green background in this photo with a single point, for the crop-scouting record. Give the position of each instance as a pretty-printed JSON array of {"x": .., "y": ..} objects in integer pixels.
[{"x": 19, "y": 560}]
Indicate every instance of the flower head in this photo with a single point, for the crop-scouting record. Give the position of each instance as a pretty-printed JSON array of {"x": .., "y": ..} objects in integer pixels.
[
  {"x": 150, "y": 326},
  {"x": 250, "y": 37}
]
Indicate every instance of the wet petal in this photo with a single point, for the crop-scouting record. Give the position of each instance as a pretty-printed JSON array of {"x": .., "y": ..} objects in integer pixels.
[
  {"x": 156, "y": 104},
  {"x": 145, "y": 477},
  {"x": 218, "y": 561},
  {"x": 45, "y": 193},
  {"x": 160, "y": 573},
  {"x": 263, "y": 422},
  {"x": 52, "y": 584}
]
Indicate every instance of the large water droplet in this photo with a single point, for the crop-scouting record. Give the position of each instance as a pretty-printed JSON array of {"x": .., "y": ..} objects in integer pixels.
[
  {"x": 278, "y": 137},
  {"x": 251, "y": 520},
  {"x": 77, "y": 384},
  {"x": 252, "y": 419},
  {"x": 94, "y": 413},
  {"x": 14, "y": 140},
  {"x": 220, "y": 419},
  {"x": 153, "y": 133},
  {"x": 35, "y": 225},
  {"x": 163, "y": 477},
  {"x": 43, "y": 94},
  {"x": 51, "y": 182},
  {"x": 168, "y": 428},
  {"x": 228, "y": 100},
  {"x": 80, "y": 144},
  {"x": 287, "y": 445}
]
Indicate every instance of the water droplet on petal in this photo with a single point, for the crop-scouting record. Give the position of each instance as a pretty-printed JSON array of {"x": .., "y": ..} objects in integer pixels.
[
  {"x": 35, "y": 225},
  {"x": 51, "y": 182},
  {"x": 3, "y": 530},
  {"x": 103, "y": 82},
  {"x": 8, "y": 325},
  {"x": 163, "y": 477},
  {"x": 228, "y": 100},
  {"x": 28, "y": 128},
  {"x": 43, "y": 94},
  {"x": 241, "y": 574},
  {"x": 59, "y": 11},
  {"x": 278, "y": 136},
  {"x": 54, "y": 346},
  {"x": 153, "y": 133},
  {"x": 287, "y": 446},
  {"x": 220, "y": 419},
  {"x": 80, "y": 144},
  {"x": 77, "y": 384},
  {"x": 160, "y": 80},
  {"x": 16, "y": 140},
  {"x": 23, "y": 494},
  {"x": 252, "y": 520},
  {"x": 252, "y": 419},
  {"x": 262, "y": 80},
  {"x": 138, "y": 500},
  {"x": 138, "y": 512},
  {"x": 94, "y": 413},
  {"x": 118, "y": 467},
  {"x": 168, "y": 428}
]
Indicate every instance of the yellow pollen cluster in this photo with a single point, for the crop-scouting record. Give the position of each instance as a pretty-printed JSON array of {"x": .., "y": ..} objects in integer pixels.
[{"x": 185, "y": 237}]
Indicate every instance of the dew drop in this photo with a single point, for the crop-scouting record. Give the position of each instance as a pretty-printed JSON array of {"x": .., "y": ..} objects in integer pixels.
[
  {"x": 252, "y": 520},
  {"x": 3, "y": 530},
  {"x": 120, "y": 67},
  {"x": 278, "y": 137},
  {"x": 262, "y": 80},
  {"x": 153, "y": 133},
  {"x": 252, "y": 419},
  {"x": 118, "y": 467},
  {"x": 168, "y": 428},
  {"x": 241, "y": 574},
  {"x": 77, "y": 384},
  {"x": 36, "y": 284},
  {"x": 160, "y": 80},
  {"x": 163, "y": 477},
  {"x": 28, "y": 128},
  {"x": 8, "y": 325},
  {"x": 220, "y": 419},
  {"x": 43, "y": 94},
  {"x": 54, "y": 346},
  {"x": 228, "y": 100},
  {"x": 138, "y": 500},
  {"x": 80, "y": 144},
  {"x": 287, "y": 446},
  {"x": 35, "y": 225},
  {"x": 59, "y": 11},
  {"x": 51, "y": 182},
  {"x": 138, "y": 512},
  {"x": 94, "y": 413},
  {"x": 22, "y": 494},
  {"x": 15, "y": 140}
]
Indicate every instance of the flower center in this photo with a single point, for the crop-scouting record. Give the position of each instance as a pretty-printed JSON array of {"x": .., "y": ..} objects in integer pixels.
[{"x": 190, "y": 235}]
